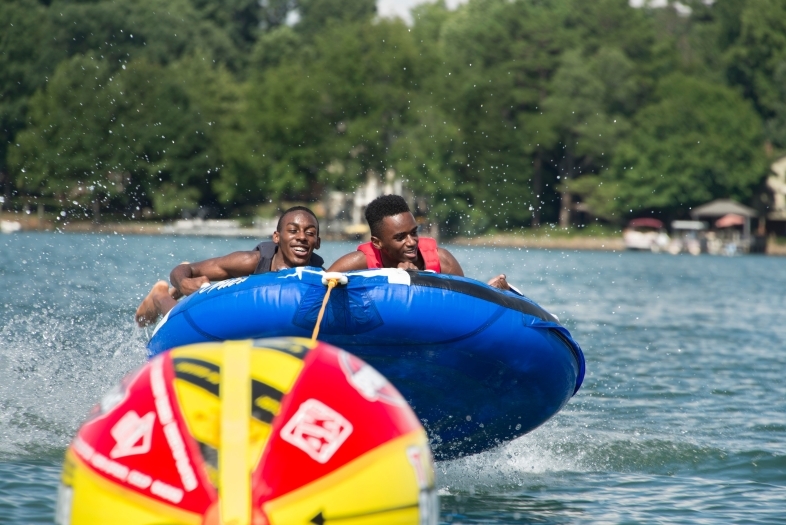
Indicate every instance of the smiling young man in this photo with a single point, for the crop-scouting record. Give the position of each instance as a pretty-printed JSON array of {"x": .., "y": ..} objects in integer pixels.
[
  {"x": 294, "y": 241},
  {"x": 395, "y": 244}
]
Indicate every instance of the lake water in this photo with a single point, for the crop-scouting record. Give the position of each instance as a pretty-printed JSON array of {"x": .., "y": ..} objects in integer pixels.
[{"x": 681, "y": 419}]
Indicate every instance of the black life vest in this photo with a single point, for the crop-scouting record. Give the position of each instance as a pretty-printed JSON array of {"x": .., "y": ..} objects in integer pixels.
[{"x": 268, "y": 249}]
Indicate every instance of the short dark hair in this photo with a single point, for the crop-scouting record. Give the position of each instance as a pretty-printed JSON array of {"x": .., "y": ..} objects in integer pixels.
[
  {"x": 292, "y": 209},
  {"x": 384, "y": 206}
]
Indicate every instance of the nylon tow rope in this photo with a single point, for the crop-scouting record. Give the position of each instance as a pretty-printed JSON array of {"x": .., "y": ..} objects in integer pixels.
[{"x": 331, "y": 280}]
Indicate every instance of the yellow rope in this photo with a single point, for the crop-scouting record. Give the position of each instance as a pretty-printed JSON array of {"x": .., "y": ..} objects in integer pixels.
[{"x": 330, "y": 285}]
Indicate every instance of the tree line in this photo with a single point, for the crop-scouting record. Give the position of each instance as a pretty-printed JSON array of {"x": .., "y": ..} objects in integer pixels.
[{"x": 504, "y": 114}]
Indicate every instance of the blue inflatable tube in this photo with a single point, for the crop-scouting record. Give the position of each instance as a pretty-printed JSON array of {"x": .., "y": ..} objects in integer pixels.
[{"x": 479, "y": 366}]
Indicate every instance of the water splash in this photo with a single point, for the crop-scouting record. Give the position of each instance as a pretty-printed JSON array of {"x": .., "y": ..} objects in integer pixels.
[
  {"x": 53, "y": 370},
  {"x": 550, "y": 449}
]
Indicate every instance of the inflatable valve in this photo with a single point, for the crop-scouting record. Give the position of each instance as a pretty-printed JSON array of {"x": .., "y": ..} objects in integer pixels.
[
  {"x": 265, "y": 432},
  {"x": 331, "y": 280},
  {"x": 338, "y": 277}
]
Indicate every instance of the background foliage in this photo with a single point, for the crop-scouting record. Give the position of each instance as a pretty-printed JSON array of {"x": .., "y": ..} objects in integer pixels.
[{"x": 502, "y": 113}]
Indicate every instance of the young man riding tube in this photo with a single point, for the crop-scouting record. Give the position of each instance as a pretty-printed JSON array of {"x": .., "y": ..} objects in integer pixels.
[
  {"x": 395, "y": 244},
  {"x": 294, "y": 241}
]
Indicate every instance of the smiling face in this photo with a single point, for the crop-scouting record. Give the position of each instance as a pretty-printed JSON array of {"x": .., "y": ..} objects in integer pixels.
[
  {"x": 298, "y": 238},
  {"x": 397, "y": 239}
]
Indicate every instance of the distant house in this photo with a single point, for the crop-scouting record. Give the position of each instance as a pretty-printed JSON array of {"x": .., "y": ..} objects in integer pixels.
[
  {"x": 727, "y": 217},
  {"x": 345, "y": 212},
  {"x": 777, "y": 185},
  {"x": 720, "y": 208}
]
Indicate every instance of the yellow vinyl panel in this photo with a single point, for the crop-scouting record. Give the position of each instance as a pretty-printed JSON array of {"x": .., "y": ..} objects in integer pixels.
[
  {"x": 98, "y": 501},
  {"x": 379, "y": 488}
]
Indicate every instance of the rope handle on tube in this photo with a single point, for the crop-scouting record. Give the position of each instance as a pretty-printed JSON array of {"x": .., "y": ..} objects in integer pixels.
[{"x": 331, "y": 280}]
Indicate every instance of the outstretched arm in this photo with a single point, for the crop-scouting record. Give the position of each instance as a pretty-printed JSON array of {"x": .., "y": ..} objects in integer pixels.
[
  {"x": 348, "y": 262},
  {"x": 188, "y": 277}
]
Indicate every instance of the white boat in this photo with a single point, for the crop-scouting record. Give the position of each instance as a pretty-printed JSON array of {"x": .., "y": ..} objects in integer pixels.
[
  {"x": 645, "y": 234},
  {"x": 10, "y": 226}
]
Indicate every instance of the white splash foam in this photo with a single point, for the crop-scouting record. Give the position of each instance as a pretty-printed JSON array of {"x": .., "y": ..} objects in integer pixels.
[
  {"x": 53, "y": 371},
  {"x": 550, "y": 449}
]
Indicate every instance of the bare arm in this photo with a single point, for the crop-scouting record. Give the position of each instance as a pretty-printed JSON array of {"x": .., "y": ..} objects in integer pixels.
[
  {"x": 188, "y": 277},
  {"x": 449, "y": 264},
  {"x": 348, "y": 262}
]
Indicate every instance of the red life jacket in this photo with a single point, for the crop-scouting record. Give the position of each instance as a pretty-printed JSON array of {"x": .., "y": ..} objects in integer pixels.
[{"x": 427, "y": 247}]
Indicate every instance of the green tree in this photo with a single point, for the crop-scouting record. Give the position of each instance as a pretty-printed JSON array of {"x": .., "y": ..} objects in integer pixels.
[
  {"x": 315, "y": 15},
  {"x": 326, "y": 116},
  {"x": 239, "y": 19},
  {"x": 585, "y": 115},
  {"x": 25, "y": 63},
  {"x": 274, "y": 47},
  {"x": 36, "y": 36},
  {"x": 535, "y": 88},
  {"x": 427, "y": 155},
  {"x": 775, "y": 125},
  {"x": 497, "y": 112},
  {"x": 499, "y": 59},
  {"x": 100, "y": 136},
  {"x": 700, "y": 141},
  {"x": 757, "y": 57},
  {"x": 180, "y": 117},
  {"x": 69, "y": 152},
  {"x": 121, "y": 30}
]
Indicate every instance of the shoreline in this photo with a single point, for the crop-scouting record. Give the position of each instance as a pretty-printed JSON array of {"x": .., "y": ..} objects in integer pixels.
[
  {"x": 510, "y": 240},
  {"x": 574, "y": 243},
  {"x": 582, "y": 243}
]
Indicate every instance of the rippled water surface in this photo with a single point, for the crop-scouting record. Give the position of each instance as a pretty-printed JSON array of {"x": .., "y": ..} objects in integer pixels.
[{"x": 681, "y": 419}]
